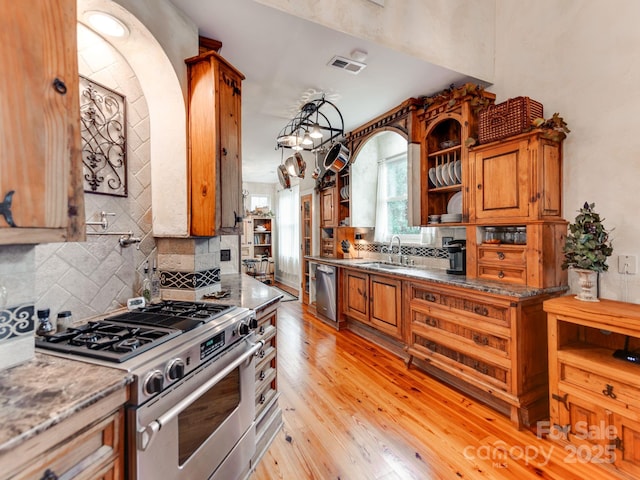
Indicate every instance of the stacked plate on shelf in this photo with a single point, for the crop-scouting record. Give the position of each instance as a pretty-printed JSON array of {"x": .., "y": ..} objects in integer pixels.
[
  {"x": 344, "y": 192},
  {"x": 446, "y": 174},
  {"x": 454, "y": 210}
]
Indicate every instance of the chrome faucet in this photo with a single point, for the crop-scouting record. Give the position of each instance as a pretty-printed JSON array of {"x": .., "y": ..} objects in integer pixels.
[{"x": 390, "y": 248}]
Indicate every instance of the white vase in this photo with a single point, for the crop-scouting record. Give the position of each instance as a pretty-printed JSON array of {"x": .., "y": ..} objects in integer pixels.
[{"x": 588, "y": 281}]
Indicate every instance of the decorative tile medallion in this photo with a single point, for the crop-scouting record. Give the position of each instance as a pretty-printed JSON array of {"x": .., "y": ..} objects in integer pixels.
[
  {"x": 16, "y": 322},
  {"x": 189, "y": 280}
]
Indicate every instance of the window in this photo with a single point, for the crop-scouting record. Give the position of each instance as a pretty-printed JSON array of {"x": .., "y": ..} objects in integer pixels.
[
  {"x": 259, "y": 201},
  {"x": 392, "y": 203}
]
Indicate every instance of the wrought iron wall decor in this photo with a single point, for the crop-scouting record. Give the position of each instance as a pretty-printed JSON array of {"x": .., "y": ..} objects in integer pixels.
[{"x": 104, "y": 146}]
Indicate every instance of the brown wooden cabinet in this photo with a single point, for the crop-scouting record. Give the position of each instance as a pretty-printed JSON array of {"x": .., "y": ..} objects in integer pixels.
[
  {"x": 40, "y": 157},
  {"x": 490, "y": 346},
  {"x": 329, "y": 207},
  {"x": 306, "y": 234},
  {"x": 88, "y": 445},
  {"x": 215, "y": 160},
  {"x": 375, "y": 300},
  {"x": 534, "y": 263},
  {"x": 447, "y": 124},
  {"x": 595, "y": 397},
  {"x": 518, "y": 179},
  {"x": 268, "y": 413}
]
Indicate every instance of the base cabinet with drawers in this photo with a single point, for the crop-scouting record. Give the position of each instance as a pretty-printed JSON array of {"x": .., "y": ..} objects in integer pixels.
[
  {"x": 375, "y": 300},
  {"x": 492, "y": 347},
  {"x": 268, "y": 417},
  {"x": 594, "y": 396},
  {"x": 87, "y": 446},
  {"x": 533, "y": 263}
]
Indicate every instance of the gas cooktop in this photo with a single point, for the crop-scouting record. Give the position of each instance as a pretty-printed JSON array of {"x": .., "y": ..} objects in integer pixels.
[{"x": 120, "y": 337}]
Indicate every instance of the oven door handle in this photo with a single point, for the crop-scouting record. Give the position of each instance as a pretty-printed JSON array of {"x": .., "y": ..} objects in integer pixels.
[{"x": 145, "y": 436}]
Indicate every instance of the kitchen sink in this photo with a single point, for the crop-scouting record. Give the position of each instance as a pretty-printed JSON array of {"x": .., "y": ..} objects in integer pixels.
[{"x": 385, "y": 266}]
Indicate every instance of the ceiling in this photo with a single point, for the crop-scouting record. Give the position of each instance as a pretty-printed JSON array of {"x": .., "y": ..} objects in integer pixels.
[{"x": 284, "y": 59}]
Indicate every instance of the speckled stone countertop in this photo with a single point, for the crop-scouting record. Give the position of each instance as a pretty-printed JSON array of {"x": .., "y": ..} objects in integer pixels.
[
  {"x": 441, "y": 277},
  {"x": 245, "y": 291},
  {"x": 41, "y": 393}
]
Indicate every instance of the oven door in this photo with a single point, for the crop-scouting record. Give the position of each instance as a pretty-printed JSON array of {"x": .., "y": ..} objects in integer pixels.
[{"x": 203, "y": 426}]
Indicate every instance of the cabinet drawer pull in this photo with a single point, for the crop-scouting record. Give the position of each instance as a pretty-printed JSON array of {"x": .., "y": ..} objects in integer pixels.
[
  {"x": 618, "y": 444},
  {"x": 561, "y": 399},
  {"x": 59, "y": 86},
  {"x": 432, "y": 322},
  {"x": 500, "y": 256},
  {"x": 500, "y": 274},
  {"x": 608, "y": 392},
  {"x": 261, "y": 330},
  {"x": 5, "y": 208},
  {"x": 49, "y": 475},
  {"x": 262, "y": 399},
  {"x": 262, "y": 375},
  {"x": 429, "y": 297},
  {"x": 261, "y": 353},
  {"x": 480, "y": 339},
  {"x": 481, "y": 310}
]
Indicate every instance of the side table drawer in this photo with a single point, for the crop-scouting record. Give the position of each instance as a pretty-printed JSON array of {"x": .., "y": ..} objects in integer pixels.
[{"x": 604, "y": 390}]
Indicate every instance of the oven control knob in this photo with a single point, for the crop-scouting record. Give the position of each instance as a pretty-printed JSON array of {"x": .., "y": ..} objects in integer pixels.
[
  {"x": 154, "y": 382},
  {"x": 253, "y": 323},
  {"x": 243, "y": 329},
  {"x": 175, "y": 370}
]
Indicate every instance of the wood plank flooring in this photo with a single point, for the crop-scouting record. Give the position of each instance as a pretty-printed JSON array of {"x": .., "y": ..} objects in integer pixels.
[{"x": 354, "y": 411}]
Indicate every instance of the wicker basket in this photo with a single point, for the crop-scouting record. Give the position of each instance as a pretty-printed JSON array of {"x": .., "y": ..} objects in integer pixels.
[{"x": 507, "y": 118}]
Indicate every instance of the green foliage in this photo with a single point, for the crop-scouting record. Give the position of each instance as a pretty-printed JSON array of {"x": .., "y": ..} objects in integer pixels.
[{"x": 587, "y": 245}]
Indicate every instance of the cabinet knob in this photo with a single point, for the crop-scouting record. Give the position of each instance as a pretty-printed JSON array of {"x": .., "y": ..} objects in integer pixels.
[
  {"x": 500, "y": 274},
  {"x": 500, "y": 256},
  {"x": 59, "y": 86},
  {"x": 224, "y": 151},
  {"x": 479, "y": 186}
]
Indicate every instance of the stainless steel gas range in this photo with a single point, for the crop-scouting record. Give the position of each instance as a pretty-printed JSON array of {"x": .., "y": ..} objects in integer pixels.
[{"x": 191, "y": 411}]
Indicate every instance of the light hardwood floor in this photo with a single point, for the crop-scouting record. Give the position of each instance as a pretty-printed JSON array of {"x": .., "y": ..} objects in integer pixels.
[{"x": 353, "y": 411}]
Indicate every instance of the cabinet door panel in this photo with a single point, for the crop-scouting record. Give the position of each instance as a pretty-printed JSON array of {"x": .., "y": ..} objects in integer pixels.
[
  {"x": 386, "y": 305},
  {"x": 39, "y": 137},
  {"x": 357, "y": 295},
  {"x": 502, "y": 188},
  {"x": 627, "y": 454},
  {"x": 230, "y": 157}
]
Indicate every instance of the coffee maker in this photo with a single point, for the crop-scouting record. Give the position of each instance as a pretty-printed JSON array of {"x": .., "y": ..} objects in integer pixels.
[{"x": 457, "y": 257}]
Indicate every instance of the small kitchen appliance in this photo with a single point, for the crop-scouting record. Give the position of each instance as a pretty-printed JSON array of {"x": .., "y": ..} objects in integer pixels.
[
  {"x": 192, "y": 401},
  {"x": 457, "y": 257}
]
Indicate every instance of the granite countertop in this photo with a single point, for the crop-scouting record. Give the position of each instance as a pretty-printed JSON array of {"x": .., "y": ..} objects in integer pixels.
[
  {"x": 245, "y": 291},
  {"x": 440, "y": 276},
  {"x": 44, "y": 391}
]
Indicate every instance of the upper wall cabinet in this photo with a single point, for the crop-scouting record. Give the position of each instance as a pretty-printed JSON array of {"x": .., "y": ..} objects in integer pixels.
[
  {"x": 518, "y": 179},
  {"x": 215, "y": 159},
  {"x": 447, "y": 121},
  {"x": 40, "y": 163}
]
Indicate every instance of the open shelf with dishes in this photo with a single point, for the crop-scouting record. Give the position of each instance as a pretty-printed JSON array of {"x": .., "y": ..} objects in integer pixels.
[{"x": 443, "y": 165}]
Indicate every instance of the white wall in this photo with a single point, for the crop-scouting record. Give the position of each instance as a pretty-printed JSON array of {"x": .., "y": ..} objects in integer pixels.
[{"x": 581, "y": 58}]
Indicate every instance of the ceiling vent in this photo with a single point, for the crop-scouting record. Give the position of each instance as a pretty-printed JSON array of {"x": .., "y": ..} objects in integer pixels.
[{"x": 347, "y": 64}]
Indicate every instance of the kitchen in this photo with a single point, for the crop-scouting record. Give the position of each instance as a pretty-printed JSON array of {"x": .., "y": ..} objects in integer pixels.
[{"x": 595, "y": 176}]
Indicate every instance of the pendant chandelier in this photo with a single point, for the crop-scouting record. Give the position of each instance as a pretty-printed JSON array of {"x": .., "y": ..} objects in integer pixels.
[{"x": 319, "y": 122}]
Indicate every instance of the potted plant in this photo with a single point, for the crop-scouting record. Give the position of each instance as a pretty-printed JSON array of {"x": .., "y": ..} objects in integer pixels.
[{"x": 586, "y": 250}]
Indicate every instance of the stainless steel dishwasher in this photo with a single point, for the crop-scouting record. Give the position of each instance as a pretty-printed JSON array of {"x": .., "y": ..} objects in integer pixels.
[{"x": 326, "y": 291}]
